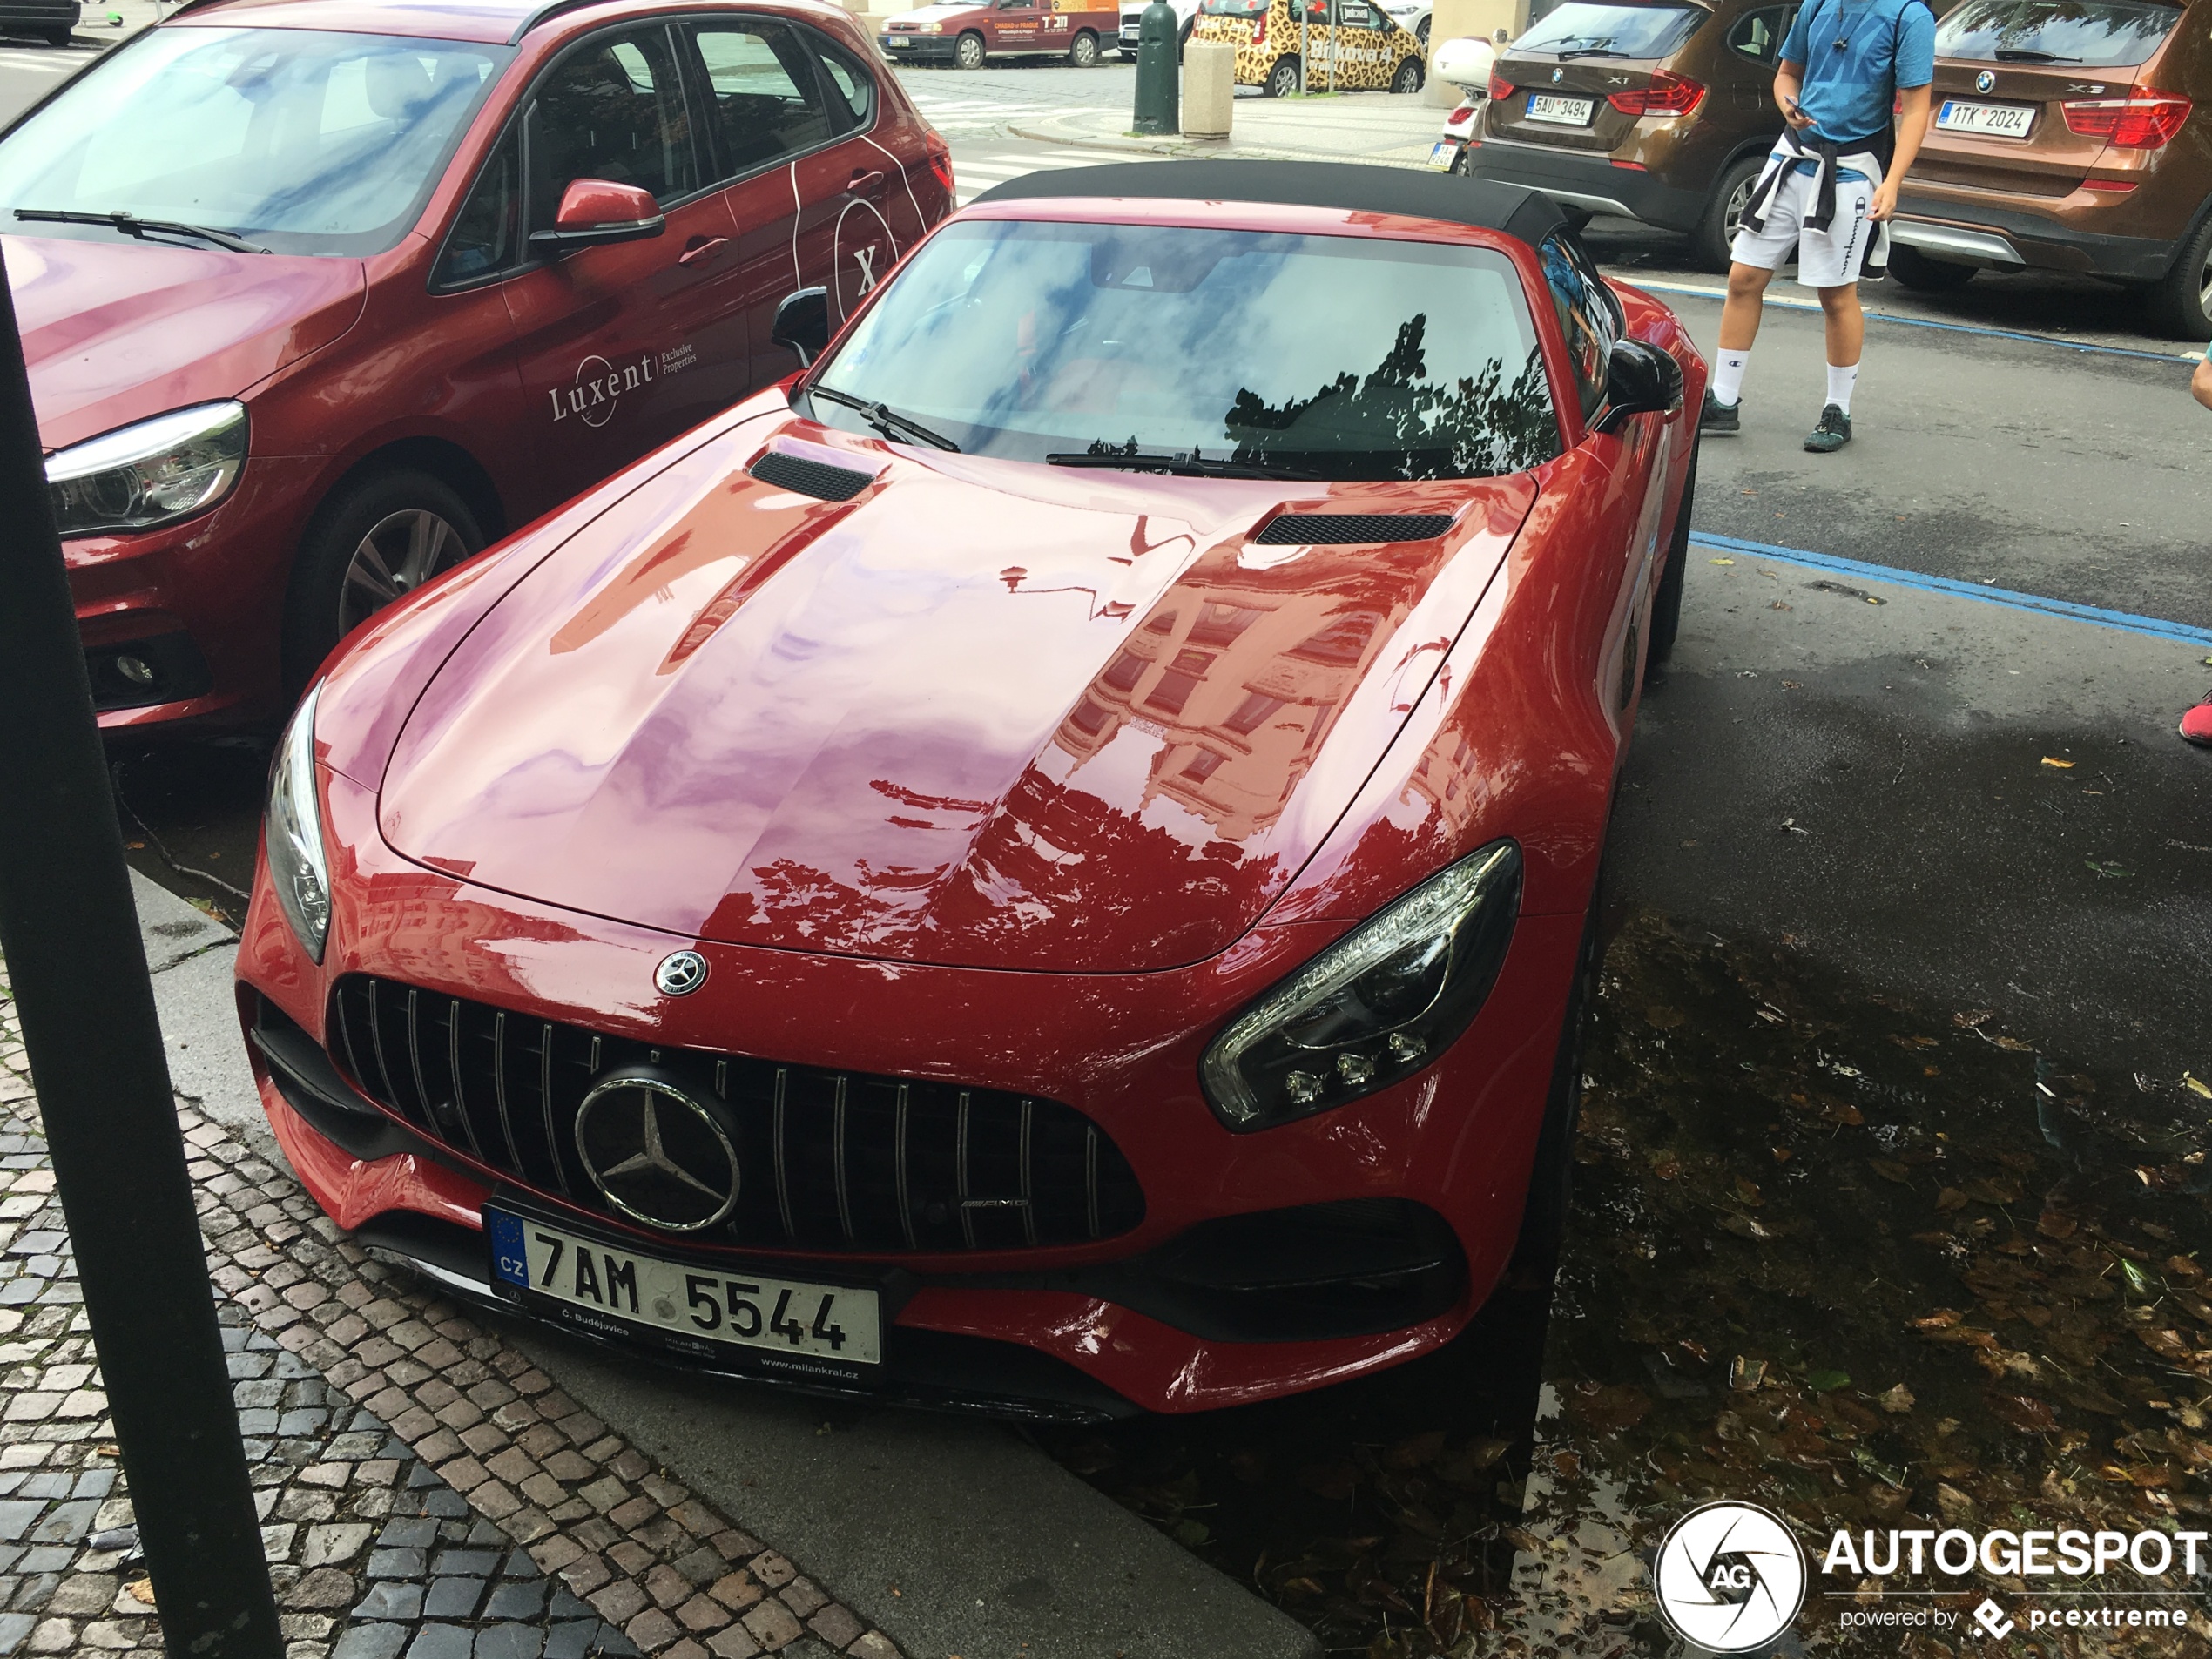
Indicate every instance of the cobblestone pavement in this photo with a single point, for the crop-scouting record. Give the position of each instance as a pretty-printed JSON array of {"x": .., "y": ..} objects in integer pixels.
[{"x": 425, "y": 1493}]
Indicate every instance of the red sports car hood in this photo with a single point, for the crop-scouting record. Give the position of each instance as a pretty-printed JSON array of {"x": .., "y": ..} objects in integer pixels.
[
  {"x": 117, "y": 332},
  {"x": 984, "y": 713}
]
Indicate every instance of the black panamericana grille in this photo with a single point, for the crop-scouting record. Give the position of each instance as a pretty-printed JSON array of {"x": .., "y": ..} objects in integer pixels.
[
  {"x": 832, "y": 1160},
  {"x": 815, "y": 478},
  {"x": 1337, "y": 529}
]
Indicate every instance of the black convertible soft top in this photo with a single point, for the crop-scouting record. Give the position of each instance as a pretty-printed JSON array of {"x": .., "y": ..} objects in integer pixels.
[{"x": 1454, "y": 199}]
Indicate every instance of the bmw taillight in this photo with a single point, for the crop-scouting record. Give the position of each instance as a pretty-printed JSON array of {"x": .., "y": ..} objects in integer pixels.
[
  {"x": 1499, "y": 87},
  {"x": 941, "y": 163},
  {"x": 1669, "y": 94},
  {"x": 2144, "y": 121}
]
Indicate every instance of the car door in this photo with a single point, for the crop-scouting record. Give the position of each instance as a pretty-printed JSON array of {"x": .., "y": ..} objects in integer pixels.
[
  {"x": 912, "y": 198},
  {"x": 1015, "y": 25},
  {"x": 1627, "y": 550},
  {"x": 857, "y": 213},
  {"x": 623, "y": 347}
]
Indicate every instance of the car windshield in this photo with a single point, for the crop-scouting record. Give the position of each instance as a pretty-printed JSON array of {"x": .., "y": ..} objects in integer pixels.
[
  {"x": 1335, "y": 356},
  {"x": 297, "y": 141},
  {"x": 1612, "y": 32},
  {"x": 1232, "y": 8},
  {"x": 2096, "y": 34}
]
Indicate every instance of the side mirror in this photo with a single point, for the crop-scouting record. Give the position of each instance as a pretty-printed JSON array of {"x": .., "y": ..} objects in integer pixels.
[
  {"x": 803, "y": 324},
  {"x": 595, "y": 210},
  {"x": 1639, "y": 379}
]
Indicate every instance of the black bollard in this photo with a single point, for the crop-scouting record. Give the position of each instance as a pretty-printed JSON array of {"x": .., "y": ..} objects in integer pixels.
[
  {"x": 70, "y": 936},
  {"x": 1156, "y": 70}
]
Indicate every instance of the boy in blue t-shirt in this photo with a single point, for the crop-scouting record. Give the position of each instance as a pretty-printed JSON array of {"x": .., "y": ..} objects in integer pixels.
[{"x": 1831, "y": 182}]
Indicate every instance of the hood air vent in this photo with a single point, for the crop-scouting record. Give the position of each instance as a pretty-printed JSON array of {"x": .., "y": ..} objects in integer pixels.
[
  {"x": 1335, "y": 529},
  {"x": 815, "y": 478}
]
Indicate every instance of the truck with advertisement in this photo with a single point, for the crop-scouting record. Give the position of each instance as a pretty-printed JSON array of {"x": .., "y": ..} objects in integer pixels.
[{"x": 967, "y": 36}]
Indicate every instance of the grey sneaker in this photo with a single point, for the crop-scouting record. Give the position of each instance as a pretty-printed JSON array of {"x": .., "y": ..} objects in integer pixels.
[
  {"x": 1832, "y": 434},
  {"x": 1717, "y": 417}
]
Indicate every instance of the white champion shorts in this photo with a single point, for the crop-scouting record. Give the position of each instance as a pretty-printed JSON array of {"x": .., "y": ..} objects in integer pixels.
[{"x": 1828, "y": 259}]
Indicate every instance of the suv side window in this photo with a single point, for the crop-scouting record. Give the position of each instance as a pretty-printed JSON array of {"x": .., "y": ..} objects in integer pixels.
[
  {"x": 767, "y": 98},
  {"x": 1758, "y": 35},
  {"x": 612, "y": 108},
  {"x": 852, "y": 89},
  {"x": 487, "y": 235},
  {"x": 1589, "y": 315}
]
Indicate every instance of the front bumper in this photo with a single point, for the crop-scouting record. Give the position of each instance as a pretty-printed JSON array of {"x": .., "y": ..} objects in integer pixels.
[
  {"x": 918, "y": 49},
  {"x": 1148, "y": 1319},
  {"x": 1593, "y": 183},
  {"x": 1951, "y": 225},
  {"x": 200, "y": 604}
]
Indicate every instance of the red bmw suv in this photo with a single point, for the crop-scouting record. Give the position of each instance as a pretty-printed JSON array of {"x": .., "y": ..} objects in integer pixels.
[{"x": 319, "y": 298}]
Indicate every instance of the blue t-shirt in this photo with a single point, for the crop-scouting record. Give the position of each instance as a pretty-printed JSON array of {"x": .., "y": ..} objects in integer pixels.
[{"x": 1887, "y": 45}]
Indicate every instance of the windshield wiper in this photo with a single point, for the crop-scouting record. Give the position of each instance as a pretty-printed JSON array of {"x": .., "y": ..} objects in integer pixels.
[
  {"x": 2029, "y": 55},
  {"x": 885, "y": 419},
  {"x": 1190, "y": 465},
  {"x": 1590, "y": 51},
  {"x": 132, "y": 224}
]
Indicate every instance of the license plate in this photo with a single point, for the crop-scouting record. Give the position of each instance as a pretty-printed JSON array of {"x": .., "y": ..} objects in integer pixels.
[
  {"x": 739, "y": 1307},
  {"x": 1991, "y": 120},
  {"x": 899, "y": 40},
  {"x": 1565, "y": 111},
  {"x": 1442, "y": 157}
]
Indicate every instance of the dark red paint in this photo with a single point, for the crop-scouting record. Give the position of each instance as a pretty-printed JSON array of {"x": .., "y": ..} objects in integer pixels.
[
  {"x": 881, "y": 762},
  {"x": 346, "y": 364}
]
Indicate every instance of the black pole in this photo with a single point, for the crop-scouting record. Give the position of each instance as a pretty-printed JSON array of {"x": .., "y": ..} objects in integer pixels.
[{"x": 70, "y": 936}]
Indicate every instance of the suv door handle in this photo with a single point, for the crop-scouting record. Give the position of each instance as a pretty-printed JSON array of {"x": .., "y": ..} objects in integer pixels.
[
  {"x": 701, "y": 249},
  {"x": 863, "y": 183}
]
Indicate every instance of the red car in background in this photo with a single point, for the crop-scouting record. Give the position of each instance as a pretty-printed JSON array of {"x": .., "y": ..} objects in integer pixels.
[
  {"x": 321, "y": 298},
  {"x": 1046, "y": 863}
]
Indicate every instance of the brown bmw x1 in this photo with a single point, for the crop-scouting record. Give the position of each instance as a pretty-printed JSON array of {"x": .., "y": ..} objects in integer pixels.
[
  {"x": 2069, "y": 135},
  {"x": 1661, "y": 110}
]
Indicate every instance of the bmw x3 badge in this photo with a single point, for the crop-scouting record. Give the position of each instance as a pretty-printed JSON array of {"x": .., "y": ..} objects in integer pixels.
[{"x": 680, "y": 973}]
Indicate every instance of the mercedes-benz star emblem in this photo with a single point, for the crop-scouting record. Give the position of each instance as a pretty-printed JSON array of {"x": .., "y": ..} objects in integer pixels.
[
  {"x": 1984, "y": 81},
  {"x": 680, "y": 973},
  {"x": 657, "y": 1155}
]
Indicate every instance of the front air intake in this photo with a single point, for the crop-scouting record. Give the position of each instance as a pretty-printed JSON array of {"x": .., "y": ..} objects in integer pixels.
[
  {"x": 815, "y": 478},
  {"x": 1338, "y": 529}
]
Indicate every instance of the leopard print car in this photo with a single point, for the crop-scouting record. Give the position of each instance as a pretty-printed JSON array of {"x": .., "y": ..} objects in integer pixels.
[{"x": 1371, "y": 52}]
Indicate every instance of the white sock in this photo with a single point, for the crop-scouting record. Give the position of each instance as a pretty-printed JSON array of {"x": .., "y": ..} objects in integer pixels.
[
  {"x": 1840, "y": 382},
  {"x": 1728, "y": 376}
]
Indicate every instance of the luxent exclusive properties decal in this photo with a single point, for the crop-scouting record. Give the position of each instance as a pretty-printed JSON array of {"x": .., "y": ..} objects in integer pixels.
[{"x": 1730, "y": 1577}]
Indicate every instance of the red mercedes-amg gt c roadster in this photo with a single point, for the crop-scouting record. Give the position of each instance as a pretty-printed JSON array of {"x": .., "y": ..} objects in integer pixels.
[{"x": 1043, "y": 863}]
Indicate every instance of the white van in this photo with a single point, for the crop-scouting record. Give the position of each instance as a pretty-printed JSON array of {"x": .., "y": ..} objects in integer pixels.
[{"x": 1132, "y": 15}]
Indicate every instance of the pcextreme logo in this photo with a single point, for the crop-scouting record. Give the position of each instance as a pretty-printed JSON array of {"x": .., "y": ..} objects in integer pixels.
[{"x": 1730, "y": 1577}]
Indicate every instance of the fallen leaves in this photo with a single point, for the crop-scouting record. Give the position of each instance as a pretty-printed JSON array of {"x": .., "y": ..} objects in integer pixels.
[{"x": 1896, "y": 1400}]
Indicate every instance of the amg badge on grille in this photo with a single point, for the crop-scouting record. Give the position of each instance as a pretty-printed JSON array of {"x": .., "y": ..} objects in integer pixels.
[
  {"x": 657, "y": 1154},
  {"x": 680, "y": 973}
]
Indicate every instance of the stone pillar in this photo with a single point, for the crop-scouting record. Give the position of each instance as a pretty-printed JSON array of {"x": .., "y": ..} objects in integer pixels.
[
  {"x": 1209, "y": 88},
  {"x": 1452, "y": 18}
]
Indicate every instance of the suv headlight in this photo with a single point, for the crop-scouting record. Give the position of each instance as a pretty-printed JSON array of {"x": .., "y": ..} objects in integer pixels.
[
  {"x": 1376, "y": 1007},
  {"x": 292, "y": 832},
  {"x": 151, "y": 474}
]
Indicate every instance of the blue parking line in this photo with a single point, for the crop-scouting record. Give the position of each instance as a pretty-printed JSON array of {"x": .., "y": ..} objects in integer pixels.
[
  {"x": 1930, "y": 322},
  {"x": 2126, "y": 622}
]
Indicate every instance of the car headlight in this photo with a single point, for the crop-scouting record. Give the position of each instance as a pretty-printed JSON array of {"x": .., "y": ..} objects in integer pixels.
[
  {"x": 1376, "y": 1007},
  {"x": 929, "y": 29},
  {"x": 292, "y": 831},
  {"x": 153, "y": 473}
]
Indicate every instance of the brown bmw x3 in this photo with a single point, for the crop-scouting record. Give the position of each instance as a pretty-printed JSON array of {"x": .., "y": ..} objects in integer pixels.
[
  {"x": 1661, "y": 110},
  {"x": 2069, "y": 135}
]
